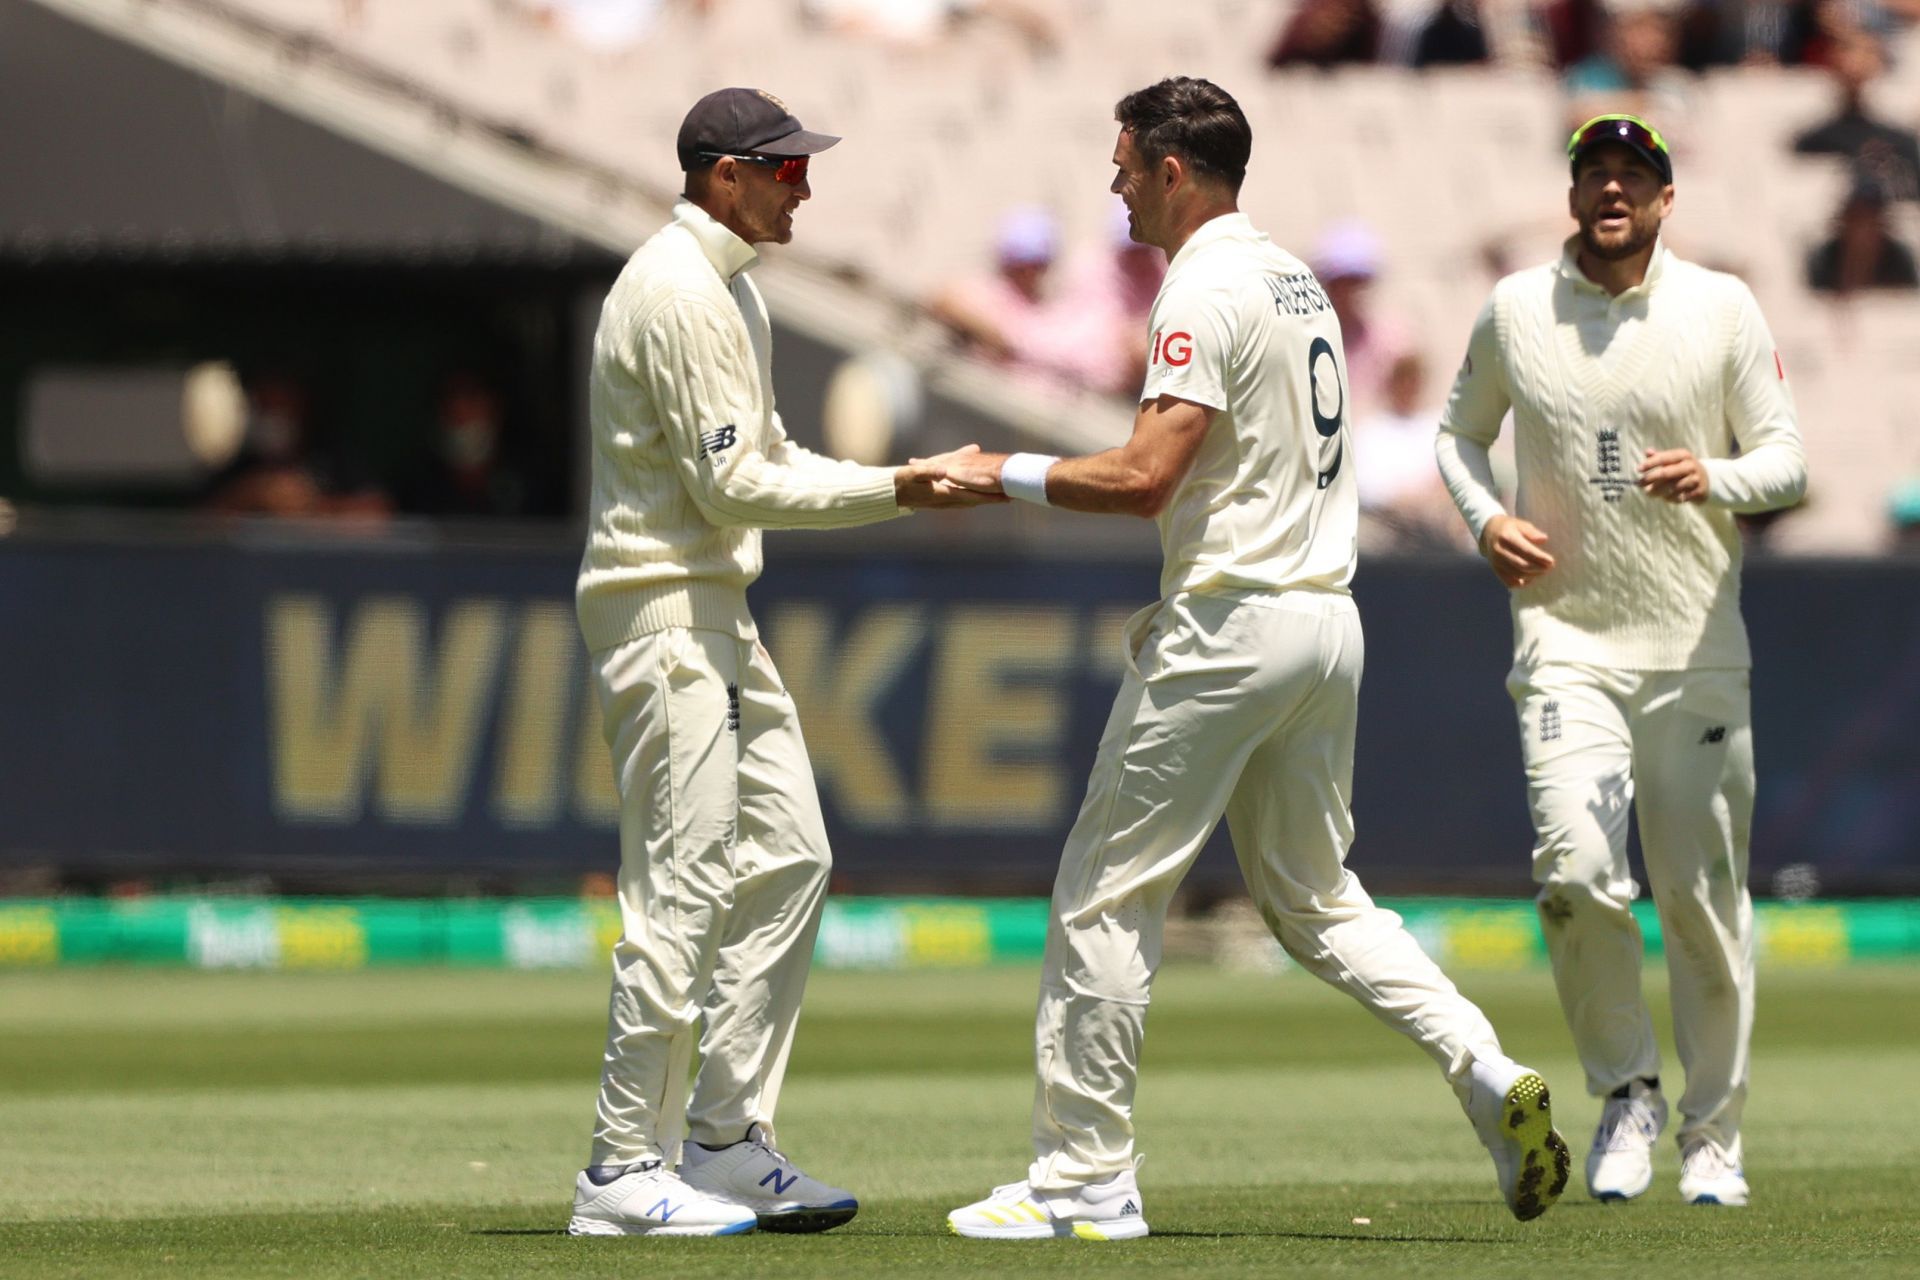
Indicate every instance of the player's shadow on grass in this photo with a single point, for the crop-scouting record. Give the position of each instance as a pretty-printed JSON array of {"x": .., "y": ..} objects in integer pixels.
[
  {"x": 1158, "y": 1235},
  {"x": 1355, "y": 1236}
]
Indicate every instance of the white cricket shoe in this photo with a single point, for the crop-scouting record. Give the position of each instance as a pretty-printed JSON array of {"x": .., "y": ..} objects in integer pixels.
[
  {"x": 1620, "y": 1164},
  {"x": 753, "y": 1173},
  {"x": 1708, "y": 1177},
  {"x": 1510, "y": 1109},
  {"x": 1109, "y": 1210},
  {"x": 648, "y": 1200}
]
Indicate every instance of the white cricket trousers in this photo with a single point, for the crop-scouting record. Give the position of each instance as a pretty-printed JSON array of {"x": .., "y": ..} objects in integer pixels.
[
  {"x": 1675, "y": 747},
  {"x": 723, "y": 870},
  {"x": 1242, "y": 705}
]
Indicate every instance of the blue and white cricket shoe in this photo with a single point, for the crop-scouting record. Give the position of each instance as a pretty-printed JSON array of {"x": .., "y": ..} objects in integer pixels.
[
  {"x": 1620, "y": 1163},
  {"x": 755, "y": 1174},
  {"x": 1708, "y": 1177},
  {"x": 649, "y": 1200},
  {"x": 1110, "y": 1210}
]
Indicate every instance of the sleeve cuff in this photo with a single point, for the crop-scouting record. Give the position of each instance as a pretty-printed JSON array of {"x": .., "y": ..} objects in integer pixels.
[{"x": 873, "y": 499}]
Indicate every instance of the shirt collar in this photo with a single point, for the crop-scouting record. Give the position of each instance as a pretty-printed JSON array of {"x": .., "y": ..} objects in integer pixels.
[
  {"x": 729, "y": 254},
  {"x": 1570, "y": 268},
  {"x": 1227, "y": 226}
]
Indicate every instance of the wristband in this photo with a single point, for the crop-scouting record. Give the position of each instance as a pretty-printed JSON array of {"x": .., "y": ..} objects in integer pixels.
[{"x": 1024, "y": 476}]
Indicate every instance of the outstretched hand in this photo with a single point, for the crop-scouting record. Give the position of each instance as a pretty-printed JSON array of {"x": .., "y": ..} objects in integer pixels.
[
  {"x": 926, "y": 483},
  {"x": 971, "y": 469}
]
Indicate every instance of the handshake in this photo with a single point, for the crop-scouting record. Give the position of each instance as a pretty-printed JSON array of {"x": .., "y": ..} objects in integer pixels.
[{"x": 965, "y": 477}]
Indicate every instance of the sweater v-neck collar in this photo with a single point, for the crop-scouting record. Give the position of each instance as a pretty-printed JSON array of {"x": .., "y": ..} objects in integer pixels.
[{"x": 1570, "y": 271}]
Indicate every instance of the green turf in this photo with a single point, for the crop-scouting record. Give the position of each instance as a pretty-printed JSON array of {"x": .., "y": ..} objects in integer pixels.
[{"x": 416, "y": 1124}]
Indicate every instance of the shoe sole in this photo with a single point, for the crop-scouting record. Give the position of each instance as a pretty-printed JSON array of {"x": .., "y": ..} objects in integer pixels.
[
  {"x": 602, "y": 1227},
  {"x": 805, "y": 1220},
  {"x": 1620, "y": 1195},
  {"x": 1731, "y": 1202},
  {"x": 1526, "y": 1122},
  {"x": 1103, "y": 1230}
]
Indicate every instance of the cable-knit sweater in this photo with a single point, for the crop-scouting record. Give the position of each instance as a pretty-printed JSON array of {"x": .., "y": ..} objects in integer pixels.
[
  {"x": 1683, "y": 360},
  {"x": 690, "y": 460}
]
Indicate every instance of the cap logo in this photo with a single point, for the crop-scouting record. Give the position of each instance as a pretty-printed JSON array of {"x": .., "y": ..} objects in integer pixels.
[{"x": 775, "y": 101}]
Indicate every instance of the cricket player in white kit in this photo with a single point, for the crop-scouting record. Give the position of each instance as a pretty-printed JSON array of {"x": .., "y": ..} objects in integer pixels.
[
  {"x": 1634, "y": 379},
  {"x": 723, "y": 856},
  {"x": 1239, "y": 695}
]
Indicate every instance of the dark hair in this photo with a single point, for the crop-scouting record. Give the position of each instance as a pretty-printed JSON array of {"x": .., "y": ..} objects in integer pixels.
[{"x": 1196, "y": 120}]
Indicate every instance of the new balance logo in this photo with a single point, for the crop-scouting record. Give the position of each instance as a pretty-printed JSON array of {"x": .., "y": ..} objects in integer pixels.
[
  {"x": 718, "y": 441},
  {"x": 780, "y": 1184},
  {"x": 1716, "y": 734},
  {"x": 664, "y": 1211},
  {"x": 1129, "y": 1207},
  {"x": 1550, "y": 722}
]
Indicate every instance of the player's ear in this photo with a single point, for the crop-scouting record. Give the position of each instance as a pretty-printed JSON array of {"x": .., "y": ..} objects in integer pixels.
[{"x": 1172, "y": 170}]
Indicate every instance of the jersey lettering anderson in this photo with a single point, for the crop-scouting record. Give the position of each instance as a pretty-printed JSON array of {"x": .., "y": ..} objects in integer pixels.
[{"x": 1241, "y": 326}]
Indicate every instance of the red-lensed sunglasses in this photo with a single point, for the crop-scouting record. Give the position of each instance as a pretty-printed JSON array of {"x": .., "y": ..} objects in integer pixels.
[{"x": 791, "y": 170}]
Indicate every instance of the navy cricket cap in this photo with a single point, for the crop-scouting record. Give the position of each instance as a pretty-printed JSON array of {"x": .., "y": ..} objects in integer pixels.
[{"x": 743, "y": 122}]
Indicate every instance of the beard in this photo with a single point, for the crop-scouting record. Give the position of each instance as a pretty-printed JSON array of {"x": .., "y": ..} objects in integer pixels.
[
  {"x": 778, "y": 227},
  {"x": 1642, "y": 230}
]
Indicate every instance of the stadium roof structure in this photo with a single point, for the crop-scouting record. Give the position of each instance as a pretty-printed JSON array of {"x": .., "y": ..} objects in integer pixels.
[
  {"x": 279, "y": 142},
  {"x": 112, "y": 154}
]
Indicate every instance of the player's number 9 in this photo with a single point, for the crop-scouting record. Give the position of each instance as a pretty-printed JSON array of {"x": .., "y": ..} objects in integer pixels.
[{"x": 1328, "y": 425}]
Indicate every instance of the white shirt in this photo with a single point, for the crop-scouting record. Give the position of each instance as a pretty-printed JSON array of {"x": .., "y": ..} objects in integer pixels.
[
  {"x": 690, "y": 460},
  {"x": 1683, "y": 360},
  {"x": 1242, "y": 326}
]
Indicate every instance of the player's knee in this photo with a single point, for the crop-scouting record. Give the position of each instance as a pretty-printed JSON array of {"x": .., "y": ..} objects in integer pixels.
[
  {"x": 815, "y": 865},
  {"x": 1565, "y": 899}
]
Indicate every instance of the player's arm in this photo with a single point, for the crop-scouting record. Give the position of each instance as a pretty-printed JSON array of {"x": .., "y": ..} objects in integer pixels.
[
  {"x": 1136, "y": 479},
  {"x": 783, "y": 450},
  {"x": 1516, "y": 548},
  {"x": 1186, "y": 385},
  {"x": 1771, "y": 471},
  {"x": 917, "y": 485},
  {"x": 701, "y": 377}
]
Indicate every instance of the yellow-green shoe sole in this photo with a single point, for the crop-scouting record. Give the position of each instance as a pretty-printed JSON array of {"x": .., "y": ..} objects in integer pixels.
[{"x": 1526, "y": 1119}]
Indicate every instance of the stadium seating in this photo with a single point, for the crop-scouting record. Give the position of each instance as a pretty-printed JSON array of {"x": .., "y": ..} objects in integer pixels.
[{"x": 1446, "y": 165}]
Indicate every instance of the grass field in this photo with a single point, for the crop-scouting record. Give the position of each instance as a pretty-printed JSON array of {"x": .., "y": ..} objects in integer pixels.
[{"x": 428, "y": 1124}]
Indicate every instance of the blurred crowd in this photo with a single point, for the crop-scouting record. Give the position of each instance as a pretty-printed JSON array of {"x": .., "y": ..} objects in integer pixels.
[
  {"x": 1070, "y": 316},
  {"x": 283, "y": 461},
  {"x": 1630, "y": 44},
  {"x": 1082, "y": 325},
  {"x": 1641, "y": 55},
  {"x": 1073, "y": 324}
]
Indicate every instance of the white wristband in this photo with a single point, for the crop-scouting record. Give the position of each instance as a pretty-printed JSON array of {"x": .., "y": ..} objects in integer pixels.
[{"x": 1024, "y": 476}]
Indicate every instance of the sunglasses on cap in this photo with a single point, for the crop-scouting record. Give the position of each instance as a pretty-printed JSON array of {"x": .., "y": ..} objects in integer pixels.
[
  {"x": 1629, "y": 130},
  {"x": 791, "y": 170}
]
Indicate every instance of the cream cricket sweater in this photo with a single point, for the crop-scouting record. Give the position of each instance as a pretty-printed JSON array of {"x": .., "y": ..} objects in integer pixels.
[
  {"x": 690, "y": 460},
  {"x": 1683, "y": 360}
]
